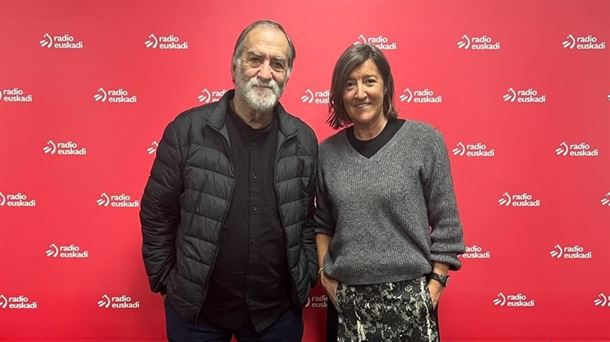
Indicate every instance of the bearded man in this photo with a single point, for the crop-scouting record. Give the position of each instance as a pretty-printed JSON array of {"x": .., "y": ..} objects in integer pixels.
[{"x": 225, "y": 211}]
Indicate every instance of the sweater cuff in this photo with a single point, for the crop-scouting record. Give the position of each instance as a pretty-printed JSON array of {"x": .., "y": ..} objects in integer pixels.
[
  {"x": 324, "y": 231},
  {"x": 449, "y": 259}
]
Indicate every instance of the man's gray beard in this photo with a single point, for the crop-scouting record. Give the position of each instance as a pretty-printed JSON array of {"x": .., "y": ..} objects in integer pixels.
[{"x": 252, "y": 96}]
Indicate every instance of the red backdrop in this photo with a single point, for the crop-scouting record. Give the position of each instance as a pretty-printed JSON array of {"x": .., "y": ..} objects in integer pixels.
[{"x": 520, "y": 89}]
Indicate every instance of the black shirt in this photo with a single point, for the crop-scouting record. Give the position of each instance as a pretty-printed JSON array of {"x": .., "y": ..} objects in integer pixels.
[
  {"x": 368, "y": 148},
  {"x": 249, "y": 283}
]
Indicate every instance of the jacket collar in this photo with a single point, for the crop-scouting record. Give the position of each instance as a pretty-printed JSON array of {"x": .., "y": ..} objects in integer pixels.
[{"x": 286, "y": 123}]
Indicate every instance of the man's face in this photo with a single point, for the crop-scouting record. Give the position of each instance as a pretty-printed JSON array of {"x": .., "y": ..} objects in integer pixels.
[{"x": 262, "y": 69}]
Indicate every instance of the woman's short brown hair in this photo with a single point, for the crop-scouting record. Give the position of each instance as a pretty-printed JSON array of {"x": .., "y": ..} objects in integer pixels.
[{"x": 353, "y": 57}]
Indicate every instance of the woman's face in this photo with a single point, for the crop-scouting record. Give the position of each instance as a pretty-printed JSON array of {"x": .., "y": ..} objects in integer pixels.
[{"x": 363, "y": 95}]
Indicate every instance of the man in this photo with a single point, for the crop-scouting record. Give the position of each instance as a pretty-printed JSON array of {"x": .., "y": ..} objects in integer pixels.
[{"x": 224, "y": 214}]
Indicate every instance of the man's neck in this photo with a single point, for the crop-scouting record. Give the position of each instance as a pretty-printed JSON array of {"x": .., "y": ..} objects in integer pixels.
[{"x": 252, "y": 118}]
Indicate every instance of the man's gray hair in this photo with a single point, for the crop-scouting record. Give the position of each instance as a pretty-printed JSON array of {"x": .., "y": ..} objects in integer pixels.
[{"x": 239, "y": 45}]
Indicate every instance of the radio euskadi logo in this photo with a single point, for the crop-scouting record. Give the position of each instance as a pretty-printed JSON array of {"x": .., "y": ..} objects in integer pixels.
[
  {"x": 71, "y": 251},
  {"x": 119, "y": 95},
  {"x": 62, "y": 41},
  {"x": 14, "y": 95},
  {"x": 420, "y": 96},
  {"x": 576, "y": 150},
  {"x": 152, "y": 149},
  {"x": 170, "y": 42},
  {"x": 20, "y": 302},
  {"x": 316, "y": 301},
  {"x": 476, "y": 150},
  {"x": 209, "y": 96},
  {"x": 121, "y": 200},
  {"x": 16, "y": 200},
  {"x": 518, "y": 200},
  {"x": 381, "y": 42},
  {"x": 476, "y": 252},
  {"x": 570, "y": 252},
  {"x": 588, "y": 42},
  {"x": 64, "y": 148},
  {"x": 523, "y": 96},
  {"x": 605, "y": 201},
  {"x": 514, "y": 300},
  {"x": 483, "y": 42},
  {"x": 321, "y": 97},
  {"x": 117, "y": 302},
  {"x": 602, "y": 300}
]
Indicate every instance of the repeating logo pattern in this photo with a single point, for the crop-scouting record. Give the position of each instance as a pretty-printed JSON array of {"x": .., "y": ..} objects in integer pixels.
[
  {"x": 70, "y": 251},
  {"x": 602, "y": 300},
  {"x": 152, "y": 149},
  {"x": 20, "y": 302},
  {"x": 420, "y": 96},
  {"x": 519, "y": 200},
  {"x": 476, "y": 150},
  {"x": 114, "y": 96},
  {"x": 513, "y": 300},
  {"x": 476, "y": 252},
  {"x": 570, "y": 252},
  {"x": 381, "y": 42},
  {"x": 117, "y": 201},
  {"x": 66, "y": 148},
  {"x": 170, "y": 42},
  {"x": 207, "y": 96},
  {"x": 65, "y": 41},
  {"x": 15, "y": 95},
  {"x": 16, "y": 200},
  {"x": 523, "y": 96},
  {"x": 316, "y": 302},
  {"x": 605, "y": 201},
  {"x": 576, "y": 150},
  {"x": 316, "y": 97},
  {"x": 589, "y": 42},
  {"x": 477, "y": 43},
  {"x": 122, "y": 302}
]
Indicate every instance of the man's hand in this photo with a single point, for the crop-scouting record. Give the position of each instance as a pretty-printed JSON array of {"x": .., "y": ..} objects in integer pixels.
[
  {"x": 436, "y": 289},
  {"x": 330, "y": 285}
]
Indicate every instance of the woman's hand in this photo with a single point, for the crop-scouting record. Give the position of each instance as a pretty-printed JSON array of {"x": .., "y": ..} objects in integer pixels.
[
  {"x": 435, "y": 289},
  {"x": 330, "y": 285}
]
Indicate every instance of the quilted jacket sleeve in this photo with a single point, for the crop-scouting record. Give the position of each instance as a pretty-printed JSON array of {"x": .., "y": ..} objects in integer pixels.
[{"x": 160, "y": 210}]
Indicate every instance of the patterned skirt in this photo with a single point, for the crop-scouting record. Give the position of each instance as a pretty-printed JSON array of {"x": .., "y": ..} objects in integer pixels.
[{"x": 400, "y": 311}]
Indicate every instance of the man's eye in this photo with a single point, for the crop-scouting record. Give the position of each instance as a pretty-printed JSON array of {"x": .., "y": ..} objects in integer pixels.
[
  {"x": 255, "y": 61},
  {"x": 278, "y": 66}
]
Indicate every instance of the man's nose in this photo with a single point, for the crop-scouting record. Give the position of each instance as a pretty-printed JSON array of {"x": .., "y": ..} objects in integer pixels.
[{"x": 265, "y": 72}]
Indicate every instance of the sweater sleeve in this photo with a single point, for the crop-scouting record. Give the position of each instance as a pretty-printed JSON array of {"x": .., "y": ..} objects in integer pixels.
[
  {"x": 446, "y": 229},
  {"x": 323, "y": 219}
]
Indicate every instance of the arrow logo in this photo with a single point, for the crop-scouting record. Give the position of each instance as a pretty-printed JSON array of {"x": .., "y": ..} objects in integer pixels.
[
  {"x": 464, "y": 43},
  {"x": 103, "y": 201},
  {"x": 569, "y": 43},
  {"x": 53, "y": 251},
  {"x": 152, "y": 41},
  {"x": 500, "y": 300}
]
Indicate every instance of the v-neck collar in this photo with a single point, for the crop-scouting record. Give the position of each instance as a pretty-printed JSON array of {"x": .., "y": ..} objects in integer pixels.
[{"x": 353, "y": 154}]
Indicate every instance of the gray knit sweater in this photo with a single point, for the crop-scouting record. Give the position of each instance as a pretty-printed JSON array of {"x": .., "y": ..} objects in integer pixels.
[{"x": 391, "y": 216}]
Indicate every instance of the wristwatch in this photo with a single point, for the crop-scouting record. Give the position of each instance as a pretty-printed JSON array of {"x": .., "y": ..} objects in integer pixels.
[{"x": 443, "y": 279}]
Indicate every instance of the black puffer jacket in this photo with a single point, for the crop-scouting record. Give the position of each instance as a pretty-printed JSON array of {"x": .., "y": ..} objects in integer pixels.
[{"x": 189, "y": 192}]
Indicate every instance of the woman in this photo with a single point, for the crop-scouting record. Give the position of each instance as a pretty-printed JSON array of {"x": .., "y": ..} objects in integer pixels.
[{"x": 387, "y": 226}]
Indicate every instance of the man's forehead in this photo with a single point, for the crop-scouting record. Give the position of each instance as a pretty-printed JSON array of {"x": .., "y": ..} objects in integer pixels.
[{"x": 266, "y": 41}]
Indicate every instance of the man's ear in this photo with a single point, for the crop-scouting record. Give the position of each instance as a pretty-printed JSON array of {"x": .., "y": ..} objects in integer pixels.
[{"x": 233, "y": 66}]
